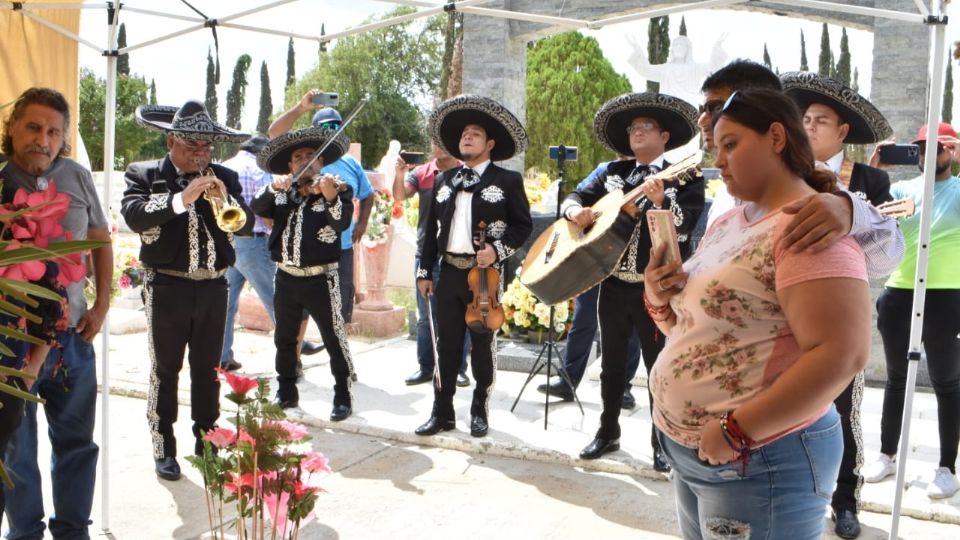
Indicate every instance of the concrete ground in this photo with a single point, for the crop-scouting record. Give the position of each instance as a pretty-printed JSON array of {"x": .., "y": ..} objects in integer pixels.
[{"x": 521, "y": 481}]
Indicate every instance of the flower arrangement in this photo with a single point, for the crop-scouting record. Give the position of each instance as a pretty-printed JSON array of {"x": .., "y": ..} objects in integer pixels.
[
  {"x": 264, "y": 467},
  {"x": 384, "y": 210},
  {"x": 128, "y": 272},
  {"x": 524, "y": 311},
  {"x": 411, "y": 211}
]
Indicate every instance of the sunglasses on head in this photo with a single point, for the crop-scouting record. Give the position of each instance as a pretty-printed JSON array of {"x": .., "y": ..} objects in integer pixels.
[{"x": 923, "y": 146}]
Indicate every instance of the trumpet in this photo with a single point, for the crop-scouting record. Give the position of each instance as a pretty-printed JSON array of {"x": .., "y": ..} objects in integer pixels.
[{"x": 230, "y": 217}]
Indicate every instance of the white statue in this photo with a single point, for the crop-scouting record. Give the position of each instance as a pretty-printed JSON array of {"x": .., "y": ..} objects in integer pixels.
[
  {"x": 389, "y": 162},
  {"x": 680, "y": 76}
]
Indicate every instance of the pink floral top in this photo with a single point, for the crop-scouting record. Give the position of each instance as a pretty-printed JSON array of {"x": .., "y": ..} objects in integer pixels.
[{"x": 731, "y": 339}]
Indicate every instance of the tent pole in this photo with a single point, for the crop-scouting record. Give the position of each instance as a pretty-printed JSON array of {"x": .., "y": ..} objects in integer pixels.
[
  {"x": 937, "y": 38},
  {"x": 109, "y": 134}
]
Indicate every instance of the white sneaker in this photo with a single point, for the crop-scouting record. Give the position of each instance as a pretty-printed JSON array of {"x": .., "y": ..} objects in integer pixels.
[
  {"x": 944, "y": 484},
  {"x": 883, "y": 467}
]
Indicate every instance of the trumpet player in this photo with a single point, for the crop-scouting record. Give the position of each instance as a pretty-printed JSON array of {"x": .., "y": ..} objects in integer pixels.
[
  {"x": 178, "y": 205},
  {"x": 308, "y": 220}
]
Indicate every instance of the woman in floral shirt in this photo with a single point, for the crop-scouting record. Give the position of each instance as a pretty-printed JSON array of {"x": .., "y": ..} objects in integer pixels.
[{"x": 761, "y": 340}]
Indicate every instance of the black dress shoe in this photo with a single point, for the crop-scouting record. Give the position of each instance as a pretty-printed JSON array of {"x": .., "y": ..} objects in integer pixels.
[
  {"x": 309, "y": 348},
  {"x": 287, "y": 403},
  {"x": 340, "y": 412},
  {"x": 558, "y": 389},
  {"x": 660, "y": 464},
  {"x": 168, "y": 468},
  {"x": 419, "y": 377},
  {"x": 629, "y": 402},
  {"x": 478, "y": 426},
  {"x": 848, "y": 525},
  {"x": 435, "y": 425},
  {"x": 230, "y": 365},
  {"x": 463, "y": 380},
  {"x": 599, "y": 447}
]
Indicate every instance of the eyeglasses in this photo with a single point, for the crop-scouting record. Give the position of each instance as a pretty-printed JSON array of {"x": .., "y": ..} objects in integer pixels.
[
  {"x": 642, "y": 126},
  {"x": 922, "y": 145},
  {"x": 711, "y": 107},
  {"x": 196, "y": 146},
  {"x": 329, "y": 125}
]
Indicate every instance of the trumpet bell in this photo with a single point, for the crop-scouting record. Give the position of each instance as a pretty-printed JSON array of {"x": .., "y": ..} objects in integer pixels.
[{"x": 231, "y": 219}]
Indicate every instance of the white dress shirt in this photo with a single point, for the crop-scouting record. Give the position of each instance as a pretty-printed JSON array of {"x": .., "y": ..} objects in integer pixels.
[{"x": 460, "y": 240}]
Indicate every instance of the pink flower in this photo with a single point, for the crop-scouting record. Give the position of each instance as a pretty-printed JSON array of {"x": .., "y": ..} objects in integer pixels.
[
  {"x": 72, "y": 268},
  {"x": 220, "y": 437},
  {"x": 124, "y": 282},
  {"x": 22, "y": 271},
  {"x": 295, "y": 432},
  {"x": 245, "y": 437},
  {"x": 238, "y": 482},
  {"x": 240, "y": 384},
  {"x": 315, "y": 462},
  {"x": 731, "y": 309}
]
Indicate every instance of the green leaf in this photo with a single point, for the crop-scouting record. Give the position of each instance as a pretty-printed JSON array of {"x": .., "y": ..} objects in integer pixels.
[
  {"x": 11, "y": 372},
  {"x": 16, "y": 392},
  {"x": 14, "y": 309},
  {"x": 13, "y": 287},
  {"x": 53, "y": 250},
  {"x": 16, "y": 334}
]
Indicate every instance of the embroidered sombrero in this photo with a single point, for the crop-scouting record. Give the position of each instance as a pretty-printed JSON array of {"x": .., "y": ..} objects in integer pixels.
[
  {"x": 275, "y": 156},
  {"x": 866, "y": 123},
  {"x": 192, "y": 121},
  {"x": 676, "y": 116},
  {"x": 451, "y": 116}
]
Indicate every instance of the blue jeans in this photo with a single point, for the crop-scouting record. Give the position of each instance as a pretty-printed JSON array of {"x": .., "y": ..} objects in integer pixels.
[
  {"x": 253, "y": 264},
  {"x": 71, "y": 395},
  {"x": 583, "y": 332},
  {"x": 787, "y": 485},
  {"x": 425, "y": 354}
]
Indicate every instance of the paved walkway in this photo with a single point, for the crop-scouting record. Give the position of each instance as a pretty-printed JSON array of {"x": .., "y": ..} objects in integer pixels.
[{"x": 386, "y": 408}]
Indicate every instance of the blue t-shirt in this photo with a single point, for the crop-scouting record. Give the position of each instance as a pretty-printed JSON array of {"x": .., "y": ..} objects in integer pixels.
[
  {"x": 350, "y": 171},
  {"x": 943, "y": 259},
  {"x": 601, "y": 168}
]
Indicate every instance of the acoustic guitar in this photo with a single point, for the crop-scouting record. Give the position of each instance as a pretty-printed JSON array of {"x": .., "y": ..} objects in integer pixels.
[
  {"x": 566, "y": 259},
  {"x": 898, "y": 209}
]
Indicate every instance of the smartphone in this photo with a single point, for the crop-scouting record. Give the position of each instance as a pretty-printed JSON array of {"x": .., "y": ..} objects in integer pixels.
[
  {"x": 899, "y": 154},
  {"x": 663, "y": 231},
  {"x": 330, "y": 99},
  {"x": 413, "y": 158},
  {"x": 569, "y": 153}
]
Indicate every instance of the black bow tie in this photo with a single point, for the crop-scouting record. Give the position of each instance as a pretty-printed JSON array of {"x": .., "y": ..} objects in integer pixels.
[
  {"x": 466, "y": 179},
  {"x": 185, "y": 179},
  {"x": 640, "y": 172}
]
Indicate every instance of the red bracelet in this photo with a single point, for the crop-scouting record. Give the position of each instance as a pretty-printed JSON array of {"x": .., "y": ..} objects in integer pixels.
[
  {"x": 657, "y": 313},
  {"x": 739, "y": 441}
]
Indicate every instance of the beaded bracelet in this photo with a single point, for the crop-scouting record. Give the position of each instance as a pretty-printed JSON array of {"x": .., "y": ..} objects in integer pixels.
[
  {"x": 657, "y": 313},
  {"x": 739, "y": 441}
]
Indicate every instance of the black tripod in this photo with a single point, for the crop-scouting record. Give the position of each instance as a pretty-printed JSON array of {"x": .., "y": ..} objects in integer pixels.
[{"x": 548, "y": 352}]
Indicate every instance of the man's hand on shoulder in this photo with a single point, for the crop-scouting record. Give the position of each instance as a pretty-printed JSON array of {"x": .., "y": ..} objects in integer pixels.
[{"x": 818, "y": 221}]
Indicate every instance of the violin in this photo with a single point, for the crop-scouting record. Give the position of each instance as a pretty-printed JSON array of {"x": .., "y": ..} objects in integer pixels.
[{"x": 484, "y": 313}]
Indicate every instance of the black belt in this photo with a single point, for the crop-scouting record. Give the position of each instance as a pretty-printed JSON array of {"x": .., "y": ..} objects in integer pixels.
[{"x": 261, "y": 234}]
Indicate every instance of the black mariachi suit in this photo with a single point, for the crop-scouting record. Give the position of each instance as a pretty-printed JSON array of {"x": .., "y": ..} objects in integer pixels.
[
  {"x": 870, "y": 184},
  {"x": 180, "y": 311},
  {"x": 620, "y": 306},
  {"x": 307, "y": 234},
  {"x": 500, "y": 201}
]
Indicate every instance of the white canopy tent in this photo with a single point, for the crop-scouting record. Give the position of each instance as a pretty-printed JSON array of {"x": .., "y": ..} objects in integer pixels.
[{"x": 931, "y": 16}]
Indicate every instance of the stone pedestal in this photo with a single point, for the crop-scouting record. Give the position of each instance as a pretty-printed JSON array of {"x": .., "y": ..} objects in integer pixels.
[
  {"x": 376, "y": 261},
  {"x": 251, "y": 315},
  {"x": 378, "y": 323}
]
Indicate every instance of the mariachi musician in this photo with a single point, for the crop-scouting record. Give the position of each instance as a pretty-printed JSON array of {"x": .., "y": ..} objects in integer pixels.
[
  {"x": 477, "y": 131},
  {"x": 170, "y": 202},
  {"x": 642, "y": 125}
]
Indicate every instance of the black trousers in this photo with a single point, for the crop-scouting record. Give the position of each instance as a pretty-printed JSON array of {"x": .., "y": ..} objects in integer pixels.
[
  {"x": 320, "y": 297},
  {"x": 453, "y": 295},
  {"x": 846, "y": 496},
  {"x": 181, "y": 313},
  {"x": 11, "y": 413},
  {"x": 622, "y": 315},
  {"x": 941, "y": 323}
]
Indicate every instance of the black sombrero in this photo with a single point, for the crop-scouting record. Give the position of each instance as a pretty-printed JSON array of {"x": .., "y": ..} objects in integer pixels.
[
  {"x": 192, "y": 121},
  {"x": 275, "y": 156},
  {"x": 676, "y": 116},
  {"x": 866, "y": 123},
  {"x": 451, "y": 116}
]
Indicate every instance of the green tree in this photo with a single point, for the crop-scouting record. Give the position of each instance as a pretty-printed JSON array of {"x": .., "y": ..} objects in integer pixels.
[
  {"x": 398, "y": 66},
  {"x": 266, "y": 103},
  {"x": 129, "y": 136},
  {"x": 153, "y": 92},
  {"x": 825, "y": 66},
  {"x": 856, "y": 80},
  {"x": 323, "y": 32},
  {"x": 658, "y": 45},
  {"x": 453, "y": 29},
  {"x": 568, "y": 79},
  {"x": 683, "y": 26},
  {"x": 211, "y": 98},
  {"x": 291, "y": 72},
  {"x": 236, "y": 95},
  {"x": 947, "y": 114},
  {"x": 123, "y": 60},
  {"x": 804, "y": 66},
  {"x": 766, "y": 57},
  {"x": 842, "y": 72}
]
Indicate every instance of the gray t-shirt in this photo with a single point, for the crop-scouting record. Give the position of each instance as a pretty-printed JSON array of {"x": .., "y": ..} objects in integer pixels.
[{"x": 85, "y": 211}]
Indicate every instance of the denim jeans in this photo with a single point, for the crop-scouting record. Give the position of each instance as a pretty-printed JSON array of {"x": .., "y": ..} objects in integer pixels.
[
  {"x": 253, "y": 264},
  {"x": 783, "y": 494},
  {"x": 425, "y": 354},
  {"x": 583, "y": 331},
  {"x": 71, "y": 393}
]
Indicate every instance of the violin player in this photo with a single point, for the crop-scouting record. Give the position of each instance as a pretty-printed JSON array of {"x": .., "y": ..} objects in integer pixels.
[{"x": 476, "y": 130}]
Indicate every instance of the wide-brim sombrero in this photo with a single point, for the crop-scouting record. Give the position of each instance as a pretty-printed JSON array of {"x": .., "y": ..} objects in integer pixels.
[
  {"x": 675, "y": 115},
  {"x": 275, "y": 156},
  {"x": 192, "y": 121},
  {"x": 450, "y": 117},
  {"x": 867, "y": 124}
]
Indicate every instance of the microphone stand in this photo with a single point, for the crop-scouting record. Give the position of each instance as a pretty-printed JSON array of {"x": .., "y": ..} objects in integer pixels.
[{"x": 550, "y": 346}]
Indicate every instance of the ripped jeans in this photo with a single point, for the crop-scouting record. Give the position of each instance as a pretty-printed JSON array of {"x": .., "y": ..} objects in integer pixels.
[{"x": 784, "y": 494}]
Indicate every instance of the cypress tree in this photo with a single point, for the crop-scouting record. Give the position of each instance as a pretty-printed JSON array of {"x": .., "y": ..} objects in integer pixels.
[
  {"x": 683, "y": 26},
  {"x": 804, "y": 66},
  {"x": 211, "y": 98},
  {"x": 153, "y": 92},
  {"x": 291, "y": 74},
  {"x": 323, "y": 32},
  {"x": 842, "y": 73},
  {"x": 123, "y": 60},
  {"x": 856, "y": 80},
  {"x": 947, "y": 114},
  {"x": 825, "y": 66},
  {"x": 236, "y": 94},
  {"x": 658, "y": 45},
  {"x": 266, "y": 103},
  {"x": 766, "y": 57}
]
